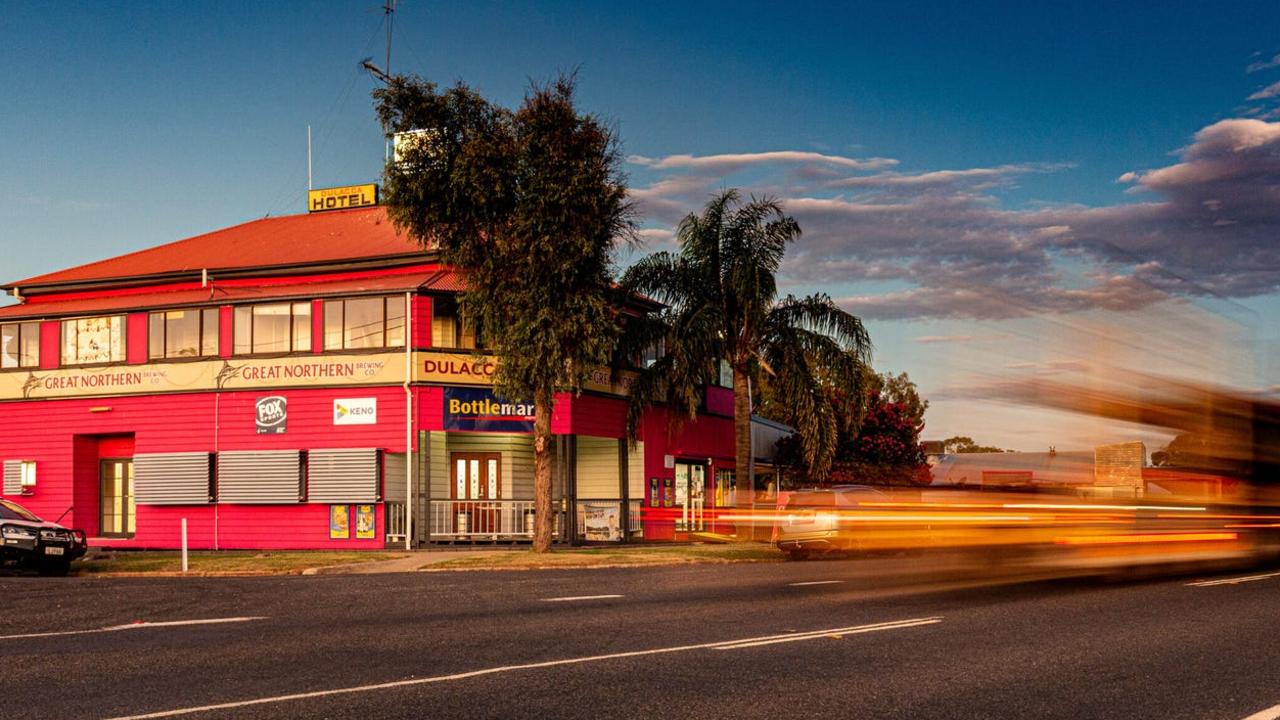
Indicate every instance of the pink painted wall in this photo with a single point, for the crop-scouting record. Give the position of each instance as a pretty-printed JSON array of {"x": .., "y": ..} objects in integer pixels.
[
  {"x": 50, "y": 344},
  {"x": 135, "y": 343},
  {"x": 720, "y": 401},
  {"x": 67, "y": 454}
]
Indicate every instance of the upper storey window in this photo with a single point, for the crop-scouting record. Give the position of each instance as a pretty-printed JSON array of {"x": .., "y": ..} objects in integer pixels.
[
  {"x": 94, "y": 340},
  {"x": 450, "y": 328},
  {"x": 19, "y": 345},
  {"x": 363, "y": 323},
  {"x": 272, "y": 328},
  {"x": 182, "y": 333}
]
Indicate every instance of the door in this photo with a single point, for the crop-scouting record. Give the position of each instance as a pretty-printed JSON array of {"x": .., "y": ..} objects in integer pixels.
[
  {"x": 691, "y": 486},
  {"x": 116, "y": 498},
  {"x": 477, "y": 485}
]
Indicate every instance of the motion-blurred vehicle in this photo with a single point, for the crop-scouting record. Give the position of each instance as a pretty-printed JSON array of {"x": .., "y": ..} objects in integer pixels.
[
  {"x": 809, "y": 520},
  {"x": 30, "y": 542}
]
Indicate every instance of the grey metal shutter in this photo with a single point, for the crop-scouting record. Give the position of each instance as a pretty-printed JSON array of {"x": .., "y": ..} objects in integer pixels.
[
  {"x": 12, "y": 477},
  {"x": 171, "y": 478},
  {"x": 394, "y": 477},
  {"x": 342, "y": 476},
  {"x": 259, "y": 477}
]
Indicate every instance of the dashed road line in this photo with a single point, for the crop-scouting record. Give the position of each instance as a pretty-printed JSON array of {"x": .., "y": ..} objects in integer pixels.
[
  {"x": 719, "y": 645},
  {"x": 1233, "y": 581},
  {"x": 133, "y": 626},
  {"x": 576, "y": 598},
  {"x": 1271, "y": 713},
  {"x": 815, "y": 582}
]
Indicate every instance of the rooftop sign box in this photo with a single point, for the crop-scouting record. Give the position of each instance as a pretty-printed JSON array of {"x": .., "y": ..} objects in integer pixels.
[{"x": 342, "y": 198}]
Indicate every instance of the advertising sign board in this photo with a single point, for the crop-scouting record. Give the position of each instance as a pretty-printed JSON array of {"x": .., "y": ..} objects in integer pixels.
[
  {"x": 272, "y": 414},
  {"x": 478, "y": 409},
  {"x": 355, "y": 411}
]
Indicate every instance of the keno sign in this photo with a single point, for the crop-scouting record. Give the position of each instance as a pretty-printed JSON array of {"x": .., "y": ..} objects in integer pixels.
[{"x": 355, "y": 411}]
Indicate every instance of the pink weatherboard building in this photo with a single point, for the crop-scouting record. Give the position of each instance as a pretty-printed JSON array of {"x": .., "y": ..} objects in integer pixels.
[{"x": 307, "y": 382}]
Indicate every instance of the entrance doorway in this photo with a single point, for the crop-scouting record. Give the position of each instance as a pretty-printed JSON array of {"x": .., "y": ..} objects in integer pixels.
[
  {"x": 691, "y": 490},
  {"x": 477, "y": 486},
  {"x": 115, "y": 498}
]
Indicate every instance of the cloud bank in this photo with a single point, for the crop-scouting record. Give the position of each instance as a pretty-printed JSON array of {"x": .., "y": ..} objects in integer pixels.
[{"x": 944, "y": 247}]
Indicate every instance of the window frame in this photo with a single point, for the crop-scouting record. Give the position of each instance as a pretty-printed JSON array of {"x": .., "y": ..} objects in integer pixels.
[
  {"x": 200, "y": 335},
  {"x": 293, "y": 325},
  {"x": 62, "y": 341},
  {"x": 328, "y": 304},
  {"x": 460, "y": 327},
  {"x": 18, "y": 355}
]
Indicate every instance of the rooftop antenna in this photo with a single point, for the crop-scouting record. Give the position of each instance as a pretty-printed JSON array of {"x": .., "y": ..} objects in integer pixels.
[
  {"x": 309, "y": 187},
  {"x": 388, "y": 9}
]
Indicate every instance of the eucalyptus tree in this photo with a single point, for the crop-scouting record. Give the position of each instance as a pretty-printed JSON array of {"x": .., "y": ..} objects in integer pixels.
[
  {"x": 721, "y": 296},
  {"x": 529, "y": 205}
]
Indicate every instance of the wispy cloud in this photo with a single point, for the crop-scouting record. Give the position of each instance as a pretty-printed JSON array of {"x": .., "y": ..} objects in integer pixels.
[
  {"x": 1268, "y": 92},
  {"x": 1260, "y": 65},
  {"x": 733, "y": 162},
  {"x": 930, "y": 339}
]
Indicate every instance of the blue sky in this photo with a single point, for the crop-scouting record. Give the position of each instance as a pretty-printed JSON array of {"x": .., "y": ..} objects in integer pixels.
[{"x": 956, "y": 165}]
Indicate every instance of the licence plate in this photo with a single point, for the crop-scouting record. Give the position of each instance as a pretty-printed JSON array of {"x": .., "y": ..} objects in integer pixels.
[{"x": 50, "y": 550}]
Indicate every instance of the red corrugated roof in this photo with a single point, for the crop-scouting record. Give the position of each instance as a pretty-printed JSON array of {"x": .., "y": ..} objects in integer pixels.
[
  {"x": 216, "y": 294},
  {"x": 270, "y": 242}
]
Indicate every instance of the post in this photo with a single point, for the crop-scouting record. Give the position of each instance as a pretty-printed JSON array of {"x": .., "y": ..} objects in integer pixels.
[
  {"x": 624, "y": 489},
  {"x": 184, "y": 545}
]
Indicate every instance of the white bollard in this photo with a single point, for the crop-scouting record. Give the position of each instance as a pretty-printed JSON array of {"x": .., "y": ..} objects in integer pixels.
[{"x": 184, "y": 544}]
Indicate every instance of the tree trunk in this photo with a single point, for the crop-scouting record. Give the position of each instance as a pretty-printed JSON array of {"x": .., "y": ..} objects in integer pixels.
[
  {"x": 742, "y": 438},
  {"x": 542, "y": 473}
]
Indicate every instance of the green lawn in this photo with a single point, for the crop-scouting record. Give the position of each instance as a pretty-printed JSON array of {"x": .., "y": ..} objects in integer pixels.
[
  {"x": 612, "y": 557},
  {"x": 229, "y": 562}
]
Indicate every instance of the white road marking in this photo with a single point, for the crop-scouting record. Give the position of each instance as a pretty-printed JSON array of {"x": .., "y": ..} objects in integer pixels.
[
  {"x": 1271, "y": 713},
  {"x": 133, "y": 626},
  {"x": 723, "y": 644},
  {"x": 835, "y": 634},
  {"x": 815, "y": 582},
  {"x": 1233, "y": 581},
  {"x": 580, "y": 597}
]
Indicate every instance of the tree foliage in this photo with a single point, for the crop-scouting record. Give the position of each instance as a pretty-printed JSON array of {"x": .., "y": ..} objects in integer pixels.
[
  {"x": 722, "y": 303},
  {"x": 529, "y": 204},
  {"x": 965, "y": 444}
]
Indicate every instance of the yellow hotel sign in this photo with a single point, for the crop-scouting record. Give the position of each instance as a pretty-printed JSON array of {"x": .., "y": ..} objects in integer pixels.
[{"x": 341, "y": 198}]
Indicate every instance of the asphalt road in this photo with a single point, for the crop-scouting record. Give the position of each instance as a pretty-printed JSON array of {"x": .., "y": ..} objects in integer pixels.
[{"x": 678, "y": 642}]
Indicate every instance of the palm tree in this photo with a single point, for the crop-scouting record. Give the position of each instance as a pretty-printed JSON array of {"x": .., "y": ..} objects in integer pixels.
[{"x": 721, "y": 298}]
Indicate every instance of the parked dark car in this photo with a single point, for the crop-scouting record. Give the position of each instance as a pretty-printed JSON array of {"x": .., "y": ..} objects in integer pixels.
[{"x": 27, "y": 541}]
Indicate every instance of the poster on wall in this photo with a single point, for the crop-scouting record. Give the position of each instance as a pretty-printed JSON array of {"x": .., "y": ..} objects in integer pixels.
[
  {"x": 272, "y": 414},
  {"x": 478, "y": 409},
  {"x": 365, "y": 522},
  {"x": 601, "y": 523},
  {"x": 655, "y": 493},
  {"x": 339, "y": 522}
]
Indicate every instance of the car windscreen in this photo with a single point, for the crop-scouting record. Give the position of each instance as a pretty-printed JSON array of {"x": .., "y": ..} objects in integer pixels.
[{"x": 10, "y": 511}]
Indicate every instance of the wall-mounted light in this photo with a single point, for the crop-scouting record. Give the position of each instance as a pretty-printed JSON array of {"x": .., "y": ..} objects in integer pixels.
[
  {"x": 100, "y": 409},
  {"x": 27, "y": 473}
]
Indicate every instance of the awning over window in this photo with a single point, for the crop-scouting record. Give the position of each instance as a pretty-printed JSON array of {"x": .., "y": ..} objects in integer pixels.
[{"x": 172, "y": 478}]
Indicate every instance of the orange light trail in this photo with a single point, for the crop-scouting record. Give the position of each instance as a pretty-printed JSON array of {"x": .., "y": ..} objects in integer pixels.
[{"x": 1134, "y": 539}]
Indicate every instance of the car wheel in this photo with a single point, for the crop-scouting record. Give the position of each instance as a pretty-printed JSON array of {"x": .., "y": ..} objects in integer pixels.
[
  {"x": 57, "y": 568},
  {"x": 798, "y": 554}
]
